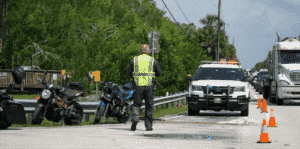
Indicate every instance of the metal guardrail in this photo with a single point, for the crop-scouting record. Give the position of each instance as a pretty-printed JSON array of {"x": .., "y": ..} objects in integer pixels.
[{"x": 90, "y": 107}]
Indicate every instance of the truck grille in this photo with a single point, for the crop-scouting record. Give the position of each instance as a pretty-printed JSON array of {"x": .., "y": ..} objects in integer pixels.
[
  {"x": 295, "y": 76},
  {"x": 218, "y": 90}
]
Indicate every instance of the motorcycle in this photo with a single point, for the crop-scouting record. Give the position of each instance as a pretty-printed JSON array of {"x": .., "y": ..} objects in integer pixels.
[
  {"x": 58, "y": 103},
  {"x": 11, "y": 112},
  {"x": 114, "y": 102}
]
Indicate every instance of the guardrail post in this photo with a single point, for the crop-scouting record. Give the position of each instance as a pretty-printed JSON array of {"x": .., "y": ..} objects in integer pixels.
[
  {"x": 86, "y": 117},
  {"x": 29, "y": 116},
  {"x": 179, "y": 102}
]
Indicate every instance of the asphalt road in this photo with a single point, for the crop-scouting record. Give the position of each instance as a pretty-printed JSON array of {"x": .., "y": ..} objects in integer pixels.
[{"x": 224, "y": 129}]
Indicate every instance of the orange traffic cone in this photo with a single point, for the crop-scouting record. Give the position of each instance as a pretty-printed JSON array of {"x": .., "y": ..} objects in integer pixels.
[
  {"x": 264, "y": 107},
  {"x": 259, "y": 104},
  {"x": 272, "y": 122},
  {"x": 264, "y": 136}
]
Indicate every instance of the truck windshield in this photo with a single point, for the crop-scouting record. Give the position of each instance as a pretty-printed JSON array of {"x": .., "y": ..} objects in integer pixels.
[
  {"x": 289, "y": 56},
  {"x": 219, "y": 74}
]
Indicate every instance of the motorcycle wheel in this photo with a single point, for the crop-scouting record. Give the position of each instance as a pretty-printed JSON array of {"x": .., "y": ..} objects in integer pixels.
[
  {"x": 99, "y": 113},
  {"x": 123, "y": 118},
  {"x": 78, "y": 116},
  {"x": 36, "y": 118},
  {"x": 4, "y": 125},
  {"x": 52, "y": 115}
]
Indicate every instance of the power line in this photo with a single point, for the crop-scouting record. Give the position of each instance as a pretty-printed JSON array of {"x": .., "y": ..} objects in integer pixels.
[
  {"x": 182, "y": 11},
  {"x": 182, "y": 28},
  {"x": 171, "y": 14}
]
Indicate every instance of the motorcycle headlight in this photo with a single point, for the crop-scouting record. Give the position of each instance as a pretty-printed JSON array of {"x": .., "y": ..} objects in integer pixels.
[
  {"x": 46, "y": 94},
  {"x": 197, "y": 88},
  {"x": 239, "y": 88},
  {"x": 282, "y": 82}
]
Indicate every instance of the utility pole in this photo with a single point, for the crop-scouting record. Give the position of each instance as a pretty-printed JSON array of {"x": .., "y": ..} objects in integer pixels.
[
  {"x": 219, "y": 16},
  {"x": 153, "y": 44}
]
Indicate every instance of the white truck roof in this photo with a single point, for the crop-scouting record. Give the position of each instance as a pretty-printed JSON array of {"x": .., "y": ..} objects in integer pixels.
[{"x": 289, "y": 44}]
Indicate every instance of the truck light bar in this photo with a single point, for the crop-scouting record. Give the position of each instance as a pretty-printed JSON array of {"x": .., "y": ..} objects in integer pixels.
[{"x": 221, "y": 62}]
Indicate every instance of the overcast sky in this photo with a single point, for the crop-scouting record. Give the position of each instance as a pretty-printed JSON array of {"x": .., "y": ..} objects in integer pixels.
[{"x": 252, "y": 23}]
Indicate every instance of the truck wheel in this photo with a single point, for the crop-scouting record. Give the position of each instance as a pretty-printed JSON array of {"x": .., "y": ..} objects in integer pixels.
[
  {"x": 4, "y": 125},
  {"x": 272, "y": 99},
  {"x": 246, "y": 111},
  {"x": 279, "y": 101},
  {"x": 192, "y": 112},
  {"x": 266, "y": 92}
]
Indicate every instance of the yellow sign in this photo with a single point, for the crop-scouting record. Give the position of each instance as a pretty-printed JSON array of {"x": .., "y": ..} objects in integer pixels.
[
  {"x": 63, "y": 72},
  {"x": 96, "y": 74}
]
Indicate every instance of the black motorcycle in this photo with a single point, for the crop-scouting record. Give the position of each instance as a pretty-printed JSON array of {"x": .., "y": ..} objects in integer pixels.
[
  {"x": 11, "y": 112},
  {"x": 114, "y": 102},
  {"x": 58, "y": 103}
]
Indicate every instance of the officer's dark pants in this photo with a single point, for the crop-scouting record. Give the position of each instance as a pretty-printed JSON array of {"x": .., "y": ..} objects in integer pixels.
[{"x": 141, "y": 93}]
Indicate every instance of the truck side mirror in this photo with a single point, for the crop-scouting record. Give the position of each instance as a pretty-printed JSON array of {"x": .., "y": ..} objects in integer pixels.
[{"x": 189, "y": 78}]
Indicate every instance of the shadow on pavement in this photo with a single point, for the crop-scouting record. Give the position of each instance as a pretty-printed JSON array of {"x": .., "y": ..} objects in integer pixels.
[
  {"x": 107, "y": 123},
  {"x": 213, "y": 113},
  {"x": 12, "y": 128},
  {"x": 233, "y": 138},
  {"x": 127, "y": 129}
]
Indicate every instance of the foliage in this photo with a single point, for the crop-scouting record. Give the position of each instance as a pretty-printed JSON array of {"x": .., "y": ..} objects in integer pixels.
[{"x": 90, "y": 35}]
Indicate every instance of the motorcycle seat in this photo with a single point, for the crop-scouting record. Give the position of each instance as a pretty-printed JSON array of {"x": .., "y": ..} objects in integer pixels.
[
  {"x": 71, "y": 94},
  {"x": 127, "y": 86}
]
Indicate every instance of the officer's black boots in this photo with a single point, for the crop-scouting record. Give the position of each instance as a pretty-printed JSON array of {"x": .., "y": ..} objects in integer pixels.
[
  {"x": 149, "y": 129},
  {"x": 133, "y": 126}
]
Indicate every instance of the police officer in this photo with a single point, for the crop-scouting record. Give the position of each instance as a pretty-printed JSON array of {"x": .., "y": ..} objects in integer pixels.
[{"x": 143, "y": 69}]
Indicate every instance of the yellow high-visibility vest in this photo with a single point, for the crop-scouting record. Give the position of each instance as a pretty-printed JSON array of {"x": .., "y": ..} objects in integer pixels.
[{"x": 143, "y": 70}]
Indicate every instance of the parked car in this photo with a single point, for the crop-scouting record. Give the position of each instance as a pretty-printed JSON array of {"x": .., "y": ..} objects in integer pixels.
[
  {"x": 260, "y": 80},
  {"x": 253, "y": 77},
  {"x": 254, "y": 82}
]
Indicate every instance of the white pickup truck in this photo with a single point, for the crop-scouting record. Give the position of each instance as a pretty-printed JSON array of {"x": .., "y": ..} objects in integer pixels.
[{"x": 218, "y": 86}]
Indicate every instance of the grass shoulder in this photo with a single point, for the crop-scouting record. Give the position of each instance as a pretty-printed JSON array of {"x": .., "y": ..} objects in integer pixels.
[{"x": 159, "y": 112}]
